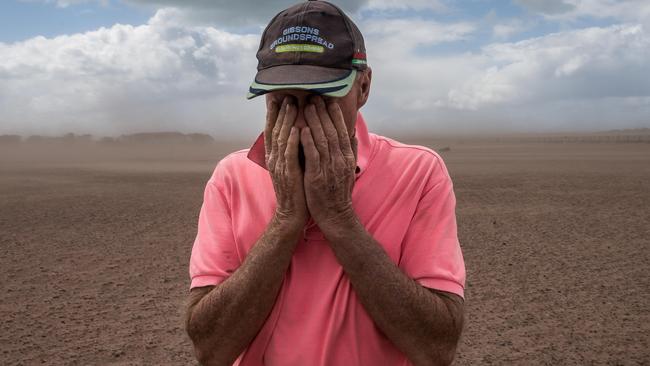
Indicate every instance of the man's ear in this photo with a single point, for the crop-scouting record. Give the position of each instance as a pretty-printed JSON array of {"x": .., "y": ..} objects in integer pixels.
[{"x": 364, "y": 81}]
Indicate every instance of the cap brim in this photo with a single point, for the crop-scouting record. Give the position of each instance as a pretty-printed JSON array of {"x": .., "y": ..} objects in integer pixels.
[{"x": 317, "y": 79}]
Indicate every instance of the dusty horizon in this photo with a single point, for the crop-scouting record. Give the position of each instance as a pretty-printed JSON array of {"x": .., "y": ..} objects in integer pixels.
[{"x": 642, "y": 131}]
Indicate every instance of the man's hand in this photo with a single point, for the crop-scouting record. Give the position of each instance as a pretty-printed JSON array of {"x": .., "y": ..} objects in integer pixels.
[
  {"x": 281, "y": 141},
  {"x": 330, "y": 163}
]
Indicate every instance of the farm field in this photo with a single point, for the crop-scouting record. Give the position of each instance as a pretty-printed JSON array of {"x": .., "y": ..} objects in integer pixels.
[{"x": 96, "y": 242}]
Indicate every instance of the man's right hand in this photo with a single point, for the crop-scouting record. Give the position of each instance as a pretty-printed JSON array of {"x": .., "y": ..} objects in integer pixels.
[{"x": 281, "y": 140}]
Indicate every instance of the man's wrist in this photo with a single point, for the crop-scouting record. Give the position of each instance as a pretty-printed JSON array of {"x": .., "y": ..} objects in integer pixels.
[
  {"x": 286, "y": 224},
  {"x": 341, "y": 225}
]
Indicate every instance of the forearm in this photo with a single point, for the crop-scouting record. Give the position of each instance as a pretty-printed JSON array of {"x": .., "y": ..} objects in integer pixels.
[
  {"x": 227, "y": 319},
  {"x": 417, "y": 321}
]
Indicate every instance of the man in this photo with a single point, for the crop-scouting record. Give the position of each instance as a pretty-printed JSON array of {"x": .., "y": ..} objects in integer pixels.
[{"x": 324, "y": 244}]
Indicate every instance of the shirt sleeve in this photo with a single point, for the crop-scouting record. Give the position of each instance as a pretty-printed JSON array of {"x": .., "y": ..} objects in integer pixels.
[
  {"x": 214, "y": 255},
  {"x": 431, "y": 253}
]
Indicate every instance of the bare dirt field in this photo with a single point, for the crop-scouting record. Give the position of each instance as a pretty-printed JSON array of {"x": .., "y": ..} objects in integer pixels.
[{"x": 95, "y": 246}]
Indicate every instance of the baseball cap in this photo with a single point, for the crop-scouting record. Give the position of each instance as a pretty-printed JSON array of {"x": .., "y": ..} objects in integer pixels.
[{"x": 313, "y": 46}]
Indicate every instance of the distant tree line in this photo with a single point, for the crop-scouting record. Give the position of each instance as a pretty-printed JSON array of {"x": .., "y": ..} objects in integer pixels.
[
  {"x": 615, "y": 136},
  {"x": 136, "y": 138},
  {"x": 579, "y": 139}
]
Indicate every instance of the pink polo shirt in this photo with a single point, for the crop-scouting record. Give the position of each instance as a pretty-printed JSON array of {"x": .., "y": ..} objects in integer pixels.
[{"x": 403, "y": 196}]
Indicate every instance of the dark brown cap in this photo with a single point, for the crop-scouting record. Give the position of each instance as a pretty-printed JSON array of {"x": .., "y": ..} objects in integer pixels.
[{"x": 314, "y": 46}]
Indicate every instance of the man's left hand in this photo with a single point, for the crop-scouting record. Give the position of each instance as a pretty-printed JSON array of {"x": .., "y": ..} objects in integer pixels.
[{"x": 330, "y": 164}]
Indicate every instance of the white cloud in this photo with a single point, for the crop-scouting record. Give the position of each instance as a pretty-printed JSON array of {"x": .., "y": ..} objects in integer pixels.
[
  {"x": 548, "y": 7},
  {"x": 157, "y": 76},
  {"x": 240, "y": 16},
  {"x": 234, "y": 14},
  {"x": 625, "y": 10},
  {"x": 590, "y": 63},
  {"x": 243, "y": 14},
  {"x": 590, "y": 78},
  {"x": 390, "y": 35},
  {"x": 505, "y": 30},
  {"x": 435, "y": 5},
  {"x": 66, "y": 3},
  {"x": 402, "y": 70}
]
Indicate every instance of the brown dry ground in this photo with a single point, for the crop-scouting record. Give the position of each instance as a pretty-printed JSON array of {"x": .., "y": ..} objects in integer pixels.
[{"x": 95, "y": 245}]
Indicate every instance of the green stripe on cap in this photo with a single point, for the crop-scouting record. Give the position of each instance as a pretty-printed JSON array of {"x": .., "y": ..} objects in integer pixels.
[
  {"x": 299, "y": 48},
  {"x": 340, "y": 88}
]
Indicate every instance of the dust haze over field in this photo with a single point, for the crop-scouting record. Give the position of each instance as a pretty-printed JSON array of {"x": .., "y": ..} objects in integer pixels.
[{"x": 96, "y": 241}]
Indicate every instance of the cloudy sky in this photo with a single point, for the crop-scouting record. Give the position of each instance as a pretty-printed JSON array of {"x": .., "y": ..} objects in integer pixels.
[{"x": 108, "y": 67}]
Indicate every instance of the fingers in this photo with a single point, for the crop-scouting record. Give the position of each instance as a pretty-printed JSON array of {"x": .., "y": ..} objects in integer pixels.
[
  {"x": 325, "y": 141},
  {"x": 277, "y": 125},
  {"x": 355, "y": 148},
  {"x": 272, "y": 111},
  {"x": 328, "y": 127},
  {"x": 311, "y": 152},
  {"x": 272, "y": 137},
  {"x": 317, "y": 133},
  {"x": 336, "y": 114},
  {"x": 291, "y": 153},
  {"x": 289, "y": 118}
]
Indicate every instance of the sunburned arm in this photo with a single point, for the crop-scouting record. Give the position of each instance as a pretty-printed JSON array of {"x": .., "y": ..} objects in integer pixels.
[{"x": 222, "y": 320}]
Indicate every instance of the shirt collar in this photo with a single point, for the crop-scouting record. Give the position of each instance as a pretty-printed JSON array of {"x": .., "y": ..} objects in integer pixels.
[{"x": 257, "y": 152}]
